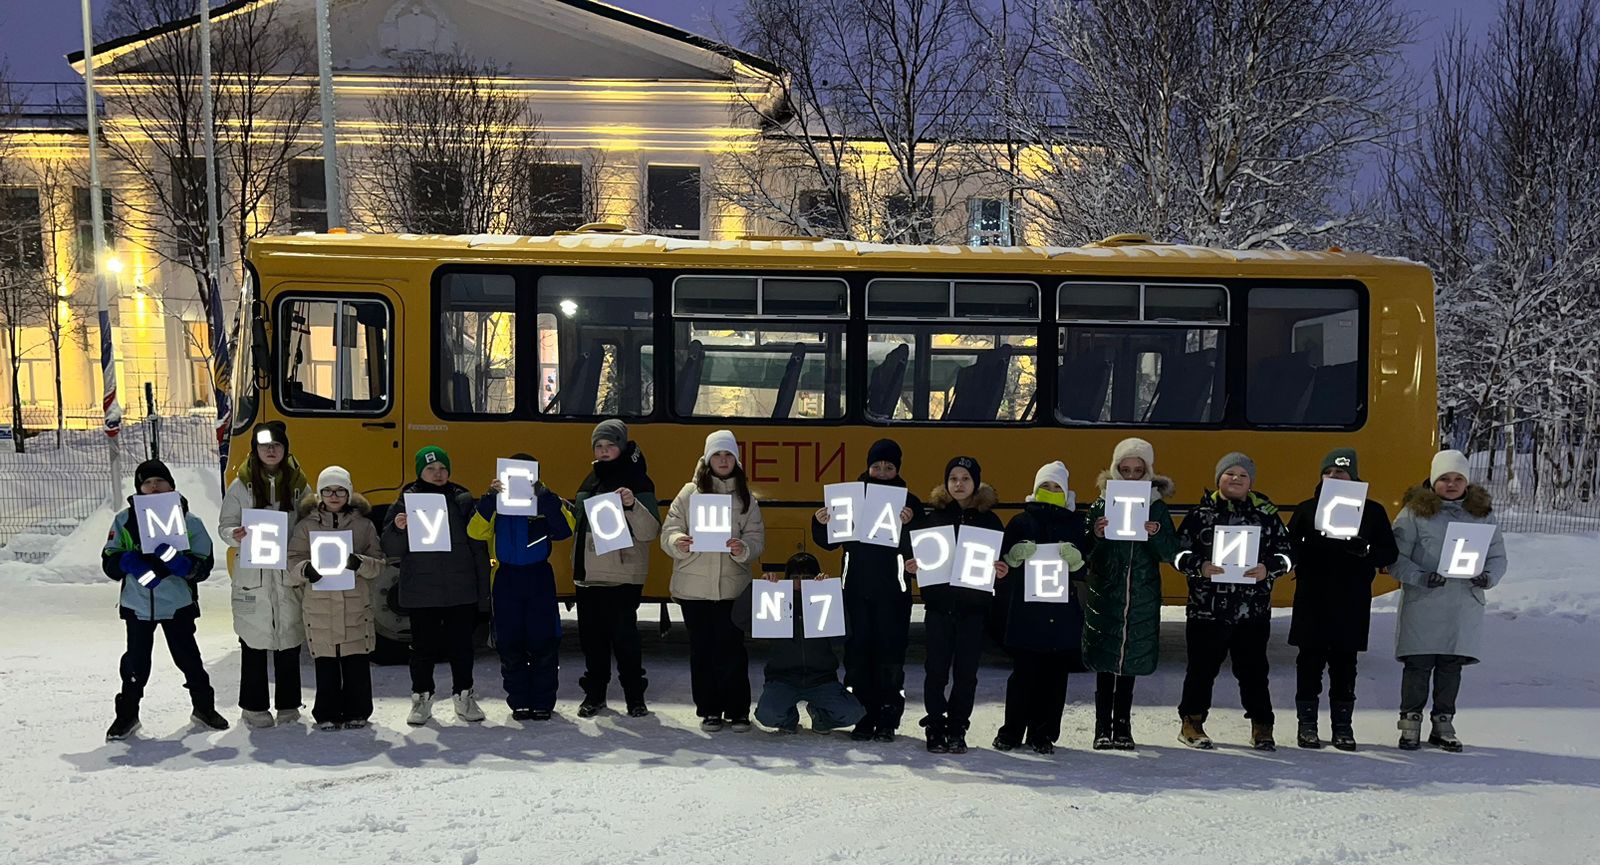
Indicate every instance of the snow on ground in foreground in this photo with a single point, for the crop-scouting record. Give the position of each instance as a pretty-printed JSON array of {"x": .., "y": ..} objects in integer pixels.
[{"x": 618, "y": 790}]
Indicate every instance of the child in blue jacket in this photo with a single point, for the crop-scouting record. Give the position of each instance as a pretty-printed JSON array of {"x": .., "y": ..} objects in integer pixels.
[{"x": 527, "y": 623}]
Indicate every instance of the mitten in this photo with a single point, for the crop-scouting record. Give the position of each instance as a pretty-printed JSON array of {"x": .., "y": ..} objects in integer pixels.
[
  {"x": 177, "y": 564},
  {"x": 1071, "y": 556},
  {"x": 1021, "y": 552},
  {"x": 132, "y": 564}
]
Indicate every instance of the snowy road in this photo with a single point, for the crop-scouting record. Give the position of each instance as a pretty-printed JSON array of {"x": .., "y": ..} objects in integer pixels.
[{"x": 618, "y": 790}]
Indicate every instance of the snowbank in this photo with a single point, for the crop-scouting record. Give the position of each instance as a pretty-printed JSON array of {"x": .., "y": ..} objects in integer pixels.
[{"x": 1550, "y": 575}]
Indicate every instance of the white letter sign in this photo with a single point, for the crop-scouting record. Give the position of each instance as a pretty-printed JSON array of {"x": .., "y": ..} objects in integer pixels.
[
  {"x": 161, "y": 521},
  {"x": 330, "y": 552},
  {"x": 710, "y": 522},
  {"x": 517, "y": 478},
  {"x": 845, "y": 503},
  {"x": 1236, "y": 549},
  {"x": 1046, "y": 579},
  {"x": 883, "y": 506},
  {"x": 1339, "y": 507},
  {"x": 934, "y": 550},
  {"x": 427, "y": 523},
  {"x": 1466, "y": 546},
  {"x": 1127, "y": 510},
  {"x": 976, "y": 552},
  {"x": 608, "y": 524},
  {"x": 263, "y": 540},
  {"x": 772, "y": 610},
  {"x": 824, "y": 607}
]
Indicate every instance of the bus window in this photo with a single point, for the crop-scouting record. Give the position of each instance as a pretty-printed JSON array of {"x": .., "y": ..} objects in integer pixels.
[
  {"x": 334, "y": 355},
  {"x": 951, "y": 372},
  {"x": 1305, "y": 352},
  {"x": 596, "y": 337},
  {"x": 477, "y": 344},
  {"x": 792, "y": 371}
]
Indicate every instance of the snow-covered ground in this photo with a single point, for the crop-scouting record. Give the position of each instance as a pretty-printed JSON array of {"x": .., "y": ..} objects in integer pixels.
[{"x": 618, "y": 790}]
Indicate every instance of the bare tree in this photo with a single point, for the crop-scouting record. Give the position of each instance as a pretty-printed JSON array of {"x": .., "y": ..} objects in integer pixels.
[
  {"x": 866, "y": 134},
  {"x": 1221, "y": 122},
  {"x": 59, "y": 183}
]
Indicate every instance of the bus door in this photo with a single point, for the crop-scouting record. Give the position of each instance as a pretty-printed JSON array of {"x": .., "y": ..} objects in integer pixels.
[{"x": 337, "y": 369}]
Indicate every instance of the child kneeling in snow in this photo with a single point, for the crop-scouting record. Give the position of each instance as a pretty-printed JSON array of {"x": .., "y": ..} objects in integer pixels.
[
  {"x": 802, "y": 670},
  {"x": 338, "y": 622}
]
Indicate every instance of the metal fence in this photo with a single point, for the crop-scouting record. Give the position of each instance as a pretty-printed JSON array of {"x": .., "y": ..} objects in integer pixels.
[{"x": 1545, "y": 477}]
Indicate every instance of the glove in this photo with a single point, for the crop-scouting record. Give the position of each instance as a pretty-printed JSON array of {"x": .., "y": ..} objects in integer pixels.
[
  {"x": 1435, "y": 580},
  {"x": 1021, "y": 552},
  {"x": 1357, "y": 546},
  {"x": 133, "y": 564},
  {"x": 1481, "y": 581},
  {"x": 177, "y": 564},
  {"x": 1071, "y": 556}
]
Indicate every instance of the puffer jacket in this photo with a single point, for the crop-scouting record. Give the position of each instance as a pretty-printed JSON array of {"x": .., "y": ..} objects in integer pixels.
[
  {"x": 944, "y": 510},
  {"x": 1040, "y": 626},
  {"x": 712, "y": 576},
  {"x": 1447, "y": 619},
  {"x": 266, "y": 609},
  {"x": 625, "y": 567},
  {"x": 1122, "y": 588},
  {"x": 1232, "y": 603},
  {"x": 452, "y": 579},
  {"x": 520, "y": 541},
  {"x": 1333, "y": 578},
  {"x": 173, "y": 597},
  {"x": 337, "y": 623}
]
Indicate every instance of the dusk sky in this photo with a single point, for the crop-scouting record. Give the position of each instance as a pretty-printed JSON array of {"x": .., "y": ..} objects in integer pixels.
[{"x": 36, "y": 34}]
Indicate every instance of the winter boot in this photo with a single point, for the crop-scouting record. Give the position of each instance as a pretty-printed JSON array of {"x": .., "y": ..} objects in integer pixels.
[
  {"x": 466, "y": 704},
  {"x": 638, "y": 709},
  {"x": 888, "y": 722},
  {"x": 1443, "y": 735},
  {"x": 208, "y": 717},
  {"x": 936, "y": 735},
  {"x": 590, "y": 707},
  {"x": 1102, "y": 734},
  {"x": 288, "y": 716},
  {"x": 1344, "y": 731},
  {"x": 256, "y": 719},
  {"x": 739, "y": 725},
  {"x": 1122, "y": 735},
  {"x": 1261, "y": 737},
  {"x": 421, "y": 709},
  {"x": 1193, "y": 733},
  {"x": 1305, "y": 715},
  {"x": 1001, "y": 743},
  {"x": 1410, "y": 731},
  {"x": 126, "y": 722},
  {"x": 711, "y": 724},
  {"x": 1043, "y": 747},
  {"x": 863, "y": 731},
  {"x": 955, "y": 739}
]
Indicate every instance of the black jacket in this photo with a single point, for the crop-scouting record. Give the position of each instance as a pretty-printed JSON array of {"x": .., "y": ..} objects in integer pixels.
[
  {"x": 873, "y": 570},
  {"x": 1333, "y": 578},
  {"x": 1232, "y": 603},
  {"x": 1043, "y": 627},
  {"x": 800, "y": 662},
  {"x": 456, "y": 578},
  {"x": 946, "y": 512}
]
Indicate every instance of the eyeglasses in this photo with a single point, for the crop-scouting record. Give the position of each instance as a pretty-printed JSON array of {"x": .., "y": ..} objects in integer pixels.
[{"x": 332, "y": 492}]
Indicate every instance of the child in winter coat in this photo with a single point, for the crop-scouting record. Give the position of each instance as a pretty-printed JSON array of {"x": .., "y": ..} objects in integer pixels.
[
  {"x": 440, "y": 591},
  {"x": 608, "y": 587},
  {"x": 1440, "y": 617},
  {"x": 707, "y": 585},
  {"x": 801, "y": 670},
  {"x": 338, "y": 622},
  {"x": 158, "y": 588},
  {"x": 1230, "y": 619},
  {"x": 955, "y": 616},
  {"x": 1333, "y": 604},
  {"x": 1043, "y": 637},
  {"x": 527, "y": 624},
  {"x": 266, "y": 609},
  {"x": 877, "y": 606},
  {"x": 1122, "y": 596}
]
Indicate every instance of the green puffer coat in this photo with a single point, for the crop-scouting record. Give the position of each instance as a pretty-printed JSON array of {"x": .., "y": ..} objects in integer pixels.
[{"x": 1122, "y": 592}]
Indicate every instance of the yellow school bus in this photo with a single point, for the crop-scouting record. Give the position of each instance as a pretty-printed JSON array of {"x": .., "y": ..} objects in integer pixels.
[{"x": 370, "y": 347}]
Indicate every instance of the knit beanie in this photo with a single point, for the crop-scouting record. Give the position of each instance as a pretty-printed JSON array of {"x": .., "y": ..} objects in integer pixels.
[
  {"x": 613, "y": 430},
  {"x": 1133, "y": 447},
  {"x": 968, "y": 463},
  {"x": 1238, "y": 460},
  {"x": 270, "y": 432},
  {"x": 335, "y": 477},
  {"x": 1341, "y": 458},
  {"x": 884, "y": 450},
  {"x": 152, "y": 469},
  {"x": 1056, "y": 471},
  {"x": 722, "y": 440},
  {"x": 1445, "y": 462},
  {"x": 430, "y": 455}
]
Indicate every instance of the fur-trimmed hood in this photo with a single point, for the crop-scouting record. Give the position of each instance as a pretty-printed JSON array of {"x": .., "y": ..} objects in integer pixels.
[
  {"x": 984, "y": 500},
  {"x": 1161, "y": 485},
  {"x": 313, "y": 500},
  {"x": 1424, "y": 502}
]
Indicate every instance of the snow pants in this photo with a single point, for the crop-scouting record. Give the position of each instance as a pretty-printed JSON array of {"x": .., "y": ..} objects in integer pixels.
[
  {"x": 1341, "y": 667},
  {"x": 1209, "y": 644},
  {"x": 719, "y": 664},
  {"x": 344, "y": 689},
  {"x": 135, "y": 664},
  {"x": 1036, "y": 694},
  {"x": 608, "y": 624},
  {"x": 955, "y": 646},
  {"x": 1445, "y": 673},
  {"x": 527, "y": 634},
  {"x": 877, "y": 629},
  {"x": 442, "y": 634}
]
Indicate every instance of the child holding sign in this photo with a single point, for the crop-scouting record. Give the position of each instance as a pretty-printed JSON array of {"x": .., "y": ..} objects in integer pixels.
[
  {"x": 266, "y": 609},
  {"x": 158, "y": 588},
  {"x": 1224, "y": 618},
  {"x": 1042, "y": 636},
  {"x": 338, "y": 622},
  {"x": 802, "y": 669},
  {"x": 439, "y": 589},
  {"x": 1333, "y": 597},
  {"x": 609, "y": 586},
  {"x": 1441, "y": 614},
  {"x": 706, "y": 585},
  {"x": 1122, "y": 593},
  {"x": 527, "y": 623},
  {"x": 877, "y": 604},
  {"x": 955, "y": 616}
]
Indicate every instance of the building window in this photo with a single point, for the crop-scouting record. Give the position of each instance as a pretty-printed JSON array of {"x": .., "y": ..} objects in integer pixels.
[
  {"x": 821, "y": 213},
  {"x": 1305, "y": 359},
  {"x": 437, "y": 197},
  {"x": 555, "y": 198},
  {"x": 674, "y": 200},
  {"x": 988, "y": 222},
  {"x": 308, "y": 196},
  {"x": 21, "y": 231},
  {"x": 477, "y": 327},
  {"x": 905, "y": 222},
  {"x": 201, "y": 388},
  {"x": 83, "y": 217}
]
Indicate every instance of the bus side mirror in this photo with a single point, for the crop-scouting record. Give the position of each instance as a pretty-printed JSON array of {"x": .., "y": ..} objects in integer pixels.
[{"x": 260, "y": 346}]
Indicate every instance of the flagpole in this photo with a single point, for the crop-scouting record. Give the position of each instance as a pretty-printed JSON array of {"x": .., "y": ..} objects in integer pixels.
[
  {"x": 330, "y": 153},
  {"x": 108, "y": 355},
  {"x": 221, "y": 368}
]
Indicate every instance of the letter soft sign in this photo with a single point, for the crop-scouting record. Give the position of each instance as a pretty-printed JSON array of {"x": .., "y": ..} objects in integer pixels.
[
  {"x": 265, "y": 534},
  {"x": 1127, "y": 510},
  {"x": 1466, "y": 546},
  {"x": 427, "y": 523},
  {"x": 161, "y": 521},
  {"x": 517, "y": 478},
  {"x": 608, "y": 523},
  {"x": 1339, "y": 507},
  {"x": 710, "y": 522},
  {"x": 330, "y": 552}
]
